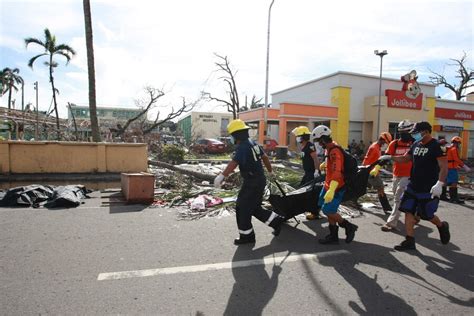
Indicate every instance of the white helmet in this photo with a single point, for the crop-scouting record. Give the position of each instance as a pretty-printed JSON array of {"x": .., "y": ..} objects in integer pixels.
[
  {"x": 405, "y": 126},
  {"x": 319, "y": 131}
]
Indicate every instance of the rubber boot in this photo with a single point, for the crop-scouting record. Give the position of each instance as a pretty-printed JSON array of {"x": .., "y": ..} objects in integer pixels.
[
  {"x": 407, "y": 244},
  {"x": 453, "y": 194},
  {"x": 443, "y": 196},
  {"x": 276, "y": 224},
  {"x": 333, "y": 237},
  {"x": 444, "y": 234},
  {"x": 245, "y": 239},
  {"x": 350, "y": 230},
  {"x": 385, "y": 205}
]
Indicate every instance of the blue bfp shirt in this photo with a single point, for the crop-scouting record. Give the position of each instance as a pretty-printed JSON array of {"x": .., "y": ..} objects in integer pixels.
[{"x": 425, "y": 169}]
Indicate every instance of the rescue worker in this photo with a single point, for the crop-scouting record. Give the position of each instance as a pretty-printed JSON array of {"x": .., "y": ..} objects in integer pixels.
[
  {"x": 373, "y": 154},
  {"x": 454, "y": 163},
  {"x": 333, "y": 191},
  {"x": 427, "y": 178},
  {"x": 310, "y": 161},
  {"x": 248, "y": 156},
  {"x": 401, "y": 171}
]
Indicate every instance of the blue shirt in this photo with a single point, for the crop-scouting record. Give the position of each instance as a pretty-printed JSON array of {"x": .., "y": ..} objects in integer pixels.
[{"x": 248, "y": 154}]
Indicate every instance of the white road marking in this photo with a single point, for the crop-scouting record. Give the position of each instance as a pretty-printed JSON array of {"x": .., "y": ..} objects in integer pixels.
[{"x": 214, "y": 266}]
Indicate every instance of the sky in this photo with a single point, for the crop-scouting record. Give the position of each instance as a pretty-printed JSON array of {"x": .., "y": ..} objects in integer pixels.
[{"x": 170, "y": 44}]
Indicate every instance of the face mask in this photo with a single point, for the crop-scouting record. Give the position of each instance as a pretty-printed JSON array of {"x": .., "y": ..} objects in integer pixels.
[
  {"x": 405, "y": 137},
  {"x": 299, "y": 139},
  {"x": 417, "y": 136}
]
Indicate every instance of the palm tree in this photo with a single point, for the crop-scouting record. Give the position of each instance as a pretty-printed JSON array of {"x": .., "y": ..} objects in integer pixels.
[
  {"x": 51, "y": 49},
  {"x": 91, "y": 71},
  {"x": 10, "y": 78}
]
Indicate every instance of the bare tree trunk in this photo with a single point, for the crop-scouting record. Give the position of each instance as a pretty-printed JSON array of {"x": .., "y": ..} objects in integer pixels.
[
  {"x": 51, "y": 79},
  {"x": 10, "y": 97},
  {"x": 91, "y": 72}
]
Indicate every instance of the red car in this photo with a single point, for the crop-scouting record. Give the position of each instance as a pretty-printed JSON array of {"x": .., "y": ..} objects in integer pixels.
[{"x": 209, "y": 146}]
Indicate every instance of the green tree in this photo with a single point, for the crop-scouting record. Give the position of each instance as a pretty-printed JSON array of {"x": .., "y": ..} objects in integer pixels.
[
  {"x": 10, "y": 78},
  {"x": 91, "y": 71},
  {"x": 51, "y": 48}
]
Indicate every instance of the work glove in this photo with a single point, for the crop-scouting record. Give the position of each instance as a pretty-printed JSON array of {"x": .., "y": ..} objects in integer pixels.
[
  {"x": 322, "y": 167},
  {"x": 317, "y": 173},
  {"x": 385, "y": 158},
  {"x": 375, "y": 171},
  {"x": 218, "y": 180},
  {"x": 437, "y": 189},
  {"x": 466, "y": 168},
  {"x": 329, "y": 196}
]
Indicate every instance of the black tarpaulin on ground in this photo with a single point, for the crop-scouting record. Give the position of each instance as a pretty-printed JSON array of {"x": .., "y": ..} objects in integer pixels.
[{"x": 54, "y": 196}]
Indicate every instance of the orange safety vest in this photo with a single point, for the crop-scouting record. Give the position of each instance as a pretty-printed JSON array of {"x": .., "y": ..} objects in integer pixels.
[{"x": 454, "y": 162}]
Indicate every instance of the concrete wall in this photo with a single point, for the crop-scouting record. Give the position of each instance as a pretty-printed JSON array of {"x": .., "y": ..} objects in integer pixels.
[{"x": 71, "y": 157}]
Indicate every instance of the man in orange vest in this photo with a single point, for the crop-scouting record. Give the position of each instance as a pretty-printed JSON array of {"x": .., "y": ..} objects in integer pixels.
[
  {"x": 454, "y": 163},
  {"x": 373, "y": 154},
  {"x": 333, "y": 191},
  {"x": 401, "y": 171}
]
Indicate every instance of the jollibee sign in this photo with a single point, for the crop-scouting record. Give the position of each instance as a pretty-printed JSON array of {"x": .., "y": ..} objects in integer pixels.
[
  {"x": 398, "y": 99},
  {"x": 410, "y": 97},
  {"x": 454, "y": 114}
]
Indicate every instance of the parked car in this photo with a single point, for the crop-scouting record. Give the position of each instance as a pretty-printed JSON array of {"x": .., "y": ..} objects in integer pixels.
[
  {"x": 208, "y": 146},
  {"x": 269, "y": 145},
  {"x": 228, "y": 143}
]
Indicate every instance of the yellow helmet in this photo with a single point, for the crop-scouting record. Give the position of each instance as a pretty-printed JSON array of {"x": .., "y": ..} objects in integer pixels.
[
  {"x": 236, "y": 125},
  {"x": 301, "y": 130}
]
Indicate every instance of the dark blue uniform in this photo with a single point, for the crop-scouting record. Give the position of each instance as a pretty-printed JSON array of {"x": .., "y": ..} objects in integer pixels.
[
  {"x": 424, "y": 175},
  {"x": 248, "y": 155},
  {"x": 308, "y": 163}
]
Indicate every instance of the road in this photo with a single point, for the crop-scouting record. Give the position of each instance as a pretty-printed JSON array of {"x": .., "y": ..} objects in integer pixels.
[{"x": 99, "y": 260}]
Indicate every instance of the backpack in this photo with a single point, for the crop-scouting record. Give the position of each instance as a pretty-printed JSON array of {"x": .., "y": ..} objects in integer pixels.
[
  {"x": 350, "y": 166},
  {"x": 354, "y": 186}
]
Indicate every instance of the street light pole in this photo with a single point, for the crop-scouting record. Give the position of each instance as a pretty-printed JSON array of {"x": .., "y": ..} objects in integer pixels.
[
  {"x": 37, "y": 114},
  {"x": 265, "y": 115},
  {"x": 381, "y": 54}
]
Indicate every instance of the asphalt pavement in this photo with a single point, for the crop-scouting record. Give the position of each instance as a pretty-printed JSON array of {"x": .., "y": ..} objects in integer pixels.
[{"x": 129, "y": 259}]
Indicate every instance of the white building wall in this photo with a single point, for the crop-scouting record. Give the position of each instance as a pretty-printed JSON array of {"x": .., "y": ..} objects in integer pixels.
[
  {"x": 314, "y": 92},
  {"x": 209, "y": 124}
]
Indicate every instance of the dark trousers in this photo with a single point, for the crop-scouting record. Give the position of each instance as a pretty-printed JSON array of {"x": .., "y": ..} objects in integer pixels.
[{"x": 249, "y": 203}]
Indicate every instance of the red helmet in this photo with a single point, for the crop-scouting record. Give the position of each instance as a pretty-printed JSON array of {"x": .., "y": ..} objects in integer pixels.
[{"x": 456, "y": 139}]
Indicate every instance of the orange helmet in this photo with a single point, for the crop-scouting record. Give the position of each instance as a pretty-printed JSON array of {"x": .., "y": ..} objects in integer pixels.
[
  {"x": 456, "y": 139},
  {"x": 386, "y": 136}
]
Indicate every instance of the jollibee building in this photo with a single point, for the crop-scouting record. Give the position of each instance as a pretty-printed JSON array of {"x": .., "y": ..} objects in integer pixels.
[{"x": 349, "y": 104}]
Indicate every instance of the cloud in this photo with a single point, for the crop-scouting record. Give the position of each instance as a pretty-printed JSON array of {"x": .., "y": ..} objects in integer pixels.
[{"x": 171, "y": 43}]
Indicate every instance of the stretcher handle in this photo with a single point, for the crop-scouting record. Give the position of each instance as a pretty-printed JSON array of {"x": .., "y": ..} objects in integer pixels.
[{"x": 279, "y": 187}]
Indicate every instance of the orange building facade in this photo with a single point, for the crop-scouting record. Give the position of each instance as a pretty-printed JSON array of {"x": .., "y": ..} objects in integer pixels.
[{"x": 348, "y": 104}]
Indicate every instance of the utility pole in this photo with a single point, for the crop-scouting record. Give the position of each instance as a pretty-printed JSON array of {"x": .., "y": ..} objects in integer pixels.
[
  {"x": 380, "y": 54},
  {"x": 265, "y": 115},
  {"x": 22, "y": 95},
  {"x": 37, "y": 114}
]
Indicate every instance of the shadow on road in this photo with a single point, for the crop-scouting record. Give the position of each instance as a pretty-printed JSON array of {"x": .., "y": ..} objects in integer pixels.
[{"x": 254, "y": 287}]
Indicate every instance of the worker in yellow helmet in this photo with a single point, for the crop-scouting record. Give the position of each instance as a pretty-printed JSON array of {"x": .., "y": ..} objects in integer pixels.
[
  {"x": 248, "y": 156},
  {"x": 310, "y": 161}
]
